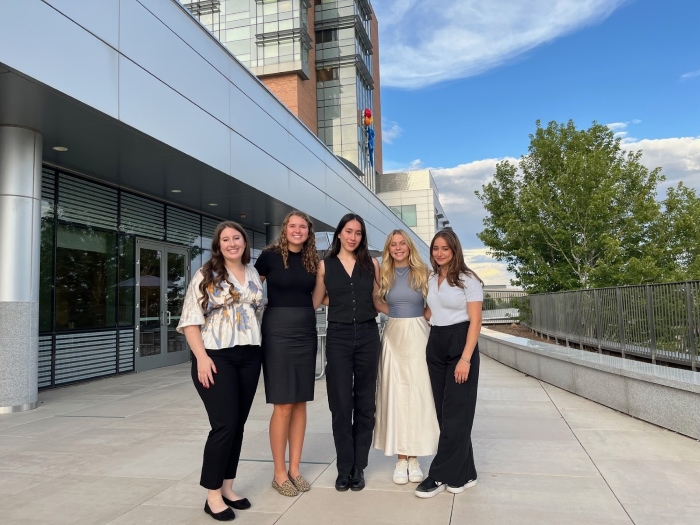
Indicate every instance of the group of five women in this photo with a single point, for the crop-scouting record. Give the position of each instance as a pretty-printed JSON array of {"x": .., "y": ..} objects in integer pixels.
[{"x": 414, "y": 391}]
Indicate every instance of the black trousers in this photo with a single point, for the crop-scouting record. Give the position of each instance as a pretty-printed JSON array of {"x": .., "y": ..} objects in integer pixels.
[
  {"x": 455, "y": 404},
  {"x": 228, "y": 403},
  {"x": 352, "y": 352}
]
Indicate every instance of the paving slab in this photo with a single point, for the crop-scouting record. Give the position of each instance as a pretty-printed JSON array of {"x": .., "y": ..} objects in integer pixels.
[{"x": 127, "y": 450}]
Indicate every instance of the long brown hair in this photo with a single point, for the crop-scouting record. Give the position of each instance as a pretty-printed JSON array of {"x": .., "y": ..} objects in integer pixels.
[
  {"x": 309, "y": 254},
  {"x": 417, "y": 273},
  {"x": 457, "y": 265},
  {"x": 214, "y": 270},
  {"x": 361, "y": 253}
]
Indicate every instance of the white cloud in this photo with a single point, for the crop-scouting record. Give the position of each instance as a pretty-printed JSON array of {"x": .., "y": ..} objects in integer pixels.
[
  {"x": 390, "y": 131},
  {"x": 690, "y": 74},
  {"x": 678, "y": 157},
  {"x": 489, "y": 269},
  {"x": 427, "y": 42},
  {"x": 620, "y": 129}
]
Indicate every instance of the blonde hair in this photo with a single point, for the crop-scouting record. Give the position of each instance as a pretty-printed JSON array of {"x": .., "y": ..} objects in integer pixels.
[{"x": 417, "y": 274}]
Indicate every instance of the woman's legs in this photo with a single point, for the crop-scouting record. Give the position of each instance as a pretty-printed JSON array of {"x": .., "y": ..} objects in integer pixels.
[
  {"x": 279, "y": 436},
  {"x": 297, "y": 430}
]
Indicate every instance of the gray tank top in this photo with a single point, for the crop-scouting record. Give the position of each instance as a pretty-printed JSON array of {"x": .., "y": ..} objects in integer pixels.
[{"x": 403, "y": 300}]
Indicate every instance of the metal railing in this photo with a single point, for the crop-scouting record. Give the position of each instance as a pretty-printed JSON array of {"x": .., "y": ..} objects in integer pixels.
[
  {"x": 501, "y": 307},
  {"x": 655, "y": 321}
]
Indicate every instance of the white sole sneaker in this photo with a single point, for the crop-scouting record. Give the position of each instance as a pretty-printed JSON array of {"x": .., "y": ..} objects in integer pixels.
[
  {"x": 400, "y": 480},
  {"x": 459, "y": 490},
  {"x": 432, "y": 493}
]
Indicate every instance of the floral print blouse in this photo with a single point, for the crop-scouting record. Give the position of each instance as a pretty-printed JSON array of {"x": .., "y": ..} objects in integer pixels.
[{"x": 233, "y": 314}]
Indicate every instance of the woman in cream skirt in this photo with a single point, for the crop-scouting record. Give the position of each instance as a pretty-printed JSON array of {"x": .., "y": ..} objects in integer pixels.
[{"x": 406, "y": 422}]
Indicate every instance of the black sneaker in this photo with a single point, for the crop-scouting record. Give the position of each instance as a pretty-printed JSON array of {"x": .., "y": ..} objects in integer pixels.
[
  {"x": 458, "y": 490},
  {"x": 429, "y": 488}
]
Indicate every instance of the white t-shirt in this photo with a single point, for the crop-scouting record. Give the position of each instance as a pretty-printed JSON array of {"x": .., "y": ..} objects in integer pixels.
[{"x": 448, "y": 304}]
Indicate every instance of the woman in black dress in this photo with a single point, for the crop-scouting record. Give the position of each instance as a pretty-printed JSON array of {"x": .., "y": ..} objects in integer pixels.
[
  {"x": 350, "y": 276},
  {"x": 289, "y": 344}
]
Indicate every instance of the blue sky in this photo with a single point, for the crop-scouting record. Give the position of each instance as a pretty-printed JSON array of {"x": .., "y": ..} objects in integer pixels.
[{"x": 463, "y": 82}]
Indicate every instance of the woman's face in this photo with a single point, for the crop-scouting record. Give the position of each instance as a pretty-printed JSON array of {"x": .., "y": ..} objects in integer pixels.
[
  {"x": 231, "y": 244},
  {"x": 297, "y": 232},
  {"x": 398, "y": 249},
  {"x": 442, "y": 253},
  {"x": 351, "y": 235}
]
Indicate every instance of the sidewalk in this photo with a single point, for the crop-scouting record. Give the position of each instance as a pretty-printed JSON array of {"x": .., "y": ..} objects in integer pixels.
[{"x": 127, "y": 450}]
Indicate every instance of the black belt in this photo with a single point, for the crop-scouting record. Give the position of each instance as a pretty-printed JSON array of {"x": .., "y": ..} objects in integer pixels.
[{"x": 353, "y": 322}]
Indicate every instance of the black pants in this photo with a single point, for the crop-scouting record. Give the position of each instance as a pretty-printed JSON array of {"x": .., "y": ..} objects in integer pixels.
[
  {"x": 228, "y": 403},
  {"x": 352, "y": 352},
  {"x": 455, "y": 404}
]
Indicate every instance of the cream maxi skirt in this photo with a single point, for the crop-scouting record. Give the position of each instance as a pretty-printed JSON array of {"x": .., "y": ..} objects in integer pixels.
[{"x": 405, "y": 422}]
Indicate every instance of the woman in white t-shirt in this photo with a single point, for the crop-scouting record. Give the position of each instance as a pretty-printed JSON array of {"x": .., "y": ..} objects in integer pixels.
[{"x": 454, "y": 302}]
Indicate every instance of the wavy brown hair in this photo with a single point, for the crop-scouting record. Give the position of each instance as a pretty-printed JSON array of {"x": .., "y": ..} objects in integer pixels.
[
  {"x": 214, "y": 270},
  {"x": 457, "y": 265},
  {"x": 309, "y": 254},
  {"x": 417, "y": 273}
]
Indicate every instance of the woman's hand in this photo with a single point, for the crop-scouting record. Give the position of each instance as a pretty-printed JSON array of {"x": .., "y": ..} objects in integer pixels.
[
  {"x": 462, "y": 371},
  {"x": 205, "y": 371}
]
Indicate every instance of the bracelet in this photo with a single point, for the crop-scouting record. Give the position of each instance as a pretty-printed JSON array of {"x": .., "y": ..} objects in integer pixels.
[{"x": 466, "y": 361}]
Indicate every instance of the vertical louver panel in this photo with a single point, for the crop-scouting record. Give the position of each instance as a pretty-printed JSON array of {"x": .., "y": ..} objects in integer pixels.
[
  {"x": 45, "y": 347},
  {"x": 85, "y": 356},
  {"x": 183, "y": 226},
  {"x": 142, "y": 216},
  {"x": 84, "y": 202},
  {"x": 126, "y": 350}
]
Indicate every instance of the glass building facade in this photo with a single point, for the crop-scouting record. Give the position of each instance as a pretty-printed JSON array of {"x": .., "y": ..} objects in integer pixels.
[
  {"x": 114, "y": 269},
  {"x": 268, "y": 36},
  {"x": 273, "y": 38}
]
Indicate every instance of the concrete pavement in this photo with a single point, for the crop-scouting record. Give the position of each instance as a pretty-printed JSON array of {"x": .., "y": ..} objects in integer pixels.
[{"x": 127, "y": 450}]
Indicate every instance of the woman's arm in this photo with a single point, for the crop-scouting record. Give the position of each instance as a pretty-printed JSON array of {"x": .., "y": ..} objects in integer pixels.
[
  {"x": 205, "y": 366},
  {"x": 464, "y": 363},
  {"x": 379, "y": 306},
  {"x": 319, "y": 293},
  {"x": 427, "y": 313}
]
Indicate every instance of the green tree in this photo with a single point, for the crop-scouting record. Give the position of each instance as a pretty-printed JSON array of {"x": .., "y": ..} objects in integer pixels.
[
  {"x": 678, "y": 233},
  {"x": 578, "y": 211}
]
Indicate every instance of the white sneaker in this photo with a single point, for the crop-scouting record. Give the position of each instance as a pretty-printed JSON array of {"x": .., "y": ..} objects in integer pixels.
[
  {"x": 458, "y": 490},
  {"x": 415, "y": 474},
  {"x": 401, "y": 472}
]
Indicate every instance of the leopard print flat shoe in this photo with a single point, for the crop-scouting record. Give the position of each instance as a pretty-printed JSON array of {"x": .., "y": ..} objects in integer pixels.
[
  {"x": 286, "y": 489},
  {"x": 300, "y": 483}
]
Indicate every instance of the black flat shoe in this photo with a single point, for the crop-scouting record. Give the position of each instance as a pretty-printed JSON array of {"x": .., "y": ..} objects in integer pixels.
[
  {"x": 342, "y": 482},
  {"x": 357, "y": 479},
  {"x": 239, "y": 504},
  {"x": 224, "y": 515}
]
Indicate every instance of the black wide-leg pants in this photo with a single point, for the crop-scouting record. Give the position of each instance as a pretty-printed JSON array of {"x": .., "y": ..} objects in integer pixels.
[
  {"x": 352, "y": 352},
  {"x": 228, "y": 403},
  {"x": 455, "y": 404}
]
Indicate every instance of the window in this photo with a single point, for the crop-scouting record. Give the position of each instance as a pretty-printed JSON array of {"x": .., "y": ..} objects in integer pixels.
[
  {"x": 326, "y": 35},
  {"x": 407, "y": 213},
  {"x": 86, "y": 278},
  {"x": 326, "y": 74}
]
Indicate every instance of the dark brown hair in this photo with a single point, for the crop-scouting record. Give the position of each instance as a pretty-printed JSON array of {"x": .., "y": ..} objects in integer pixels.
[
  {"x": 457, "y": 265},
  {"x": 309, "y": 254},
  {"x": 361, "y": 253},
  {"x": 214, "y": 270}
]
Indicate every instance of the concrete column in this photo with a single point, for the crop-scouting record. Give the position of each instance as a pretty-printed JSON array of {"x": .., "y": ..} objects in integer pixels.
[
  {"x": 272, "y": 232},
  {"x": 20, "y": 239}
]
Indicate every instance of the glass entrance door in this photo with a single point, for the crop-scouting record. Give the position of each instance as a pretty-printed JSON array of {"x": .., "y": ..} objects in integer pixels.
[{"x": 162, "y": 276}]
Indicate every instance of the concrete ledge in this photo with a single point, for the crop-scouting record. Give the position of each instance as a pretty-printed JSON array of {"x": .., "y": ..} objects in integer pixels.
[{"x": 668, "y": 397}]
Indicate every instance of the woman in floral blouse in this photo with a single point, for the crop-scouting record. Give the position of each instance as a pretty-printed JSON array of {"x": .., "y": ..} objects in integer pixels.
[{"x": 221, "y": 321}]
